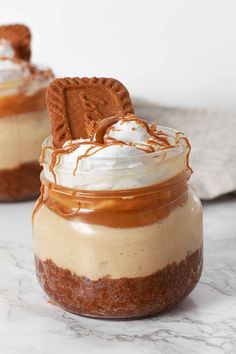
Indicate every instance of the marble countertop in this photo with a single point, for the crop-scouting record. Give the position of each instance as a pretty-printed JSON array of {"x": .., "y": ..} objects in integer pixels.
[{"x": 204, "y": 323}]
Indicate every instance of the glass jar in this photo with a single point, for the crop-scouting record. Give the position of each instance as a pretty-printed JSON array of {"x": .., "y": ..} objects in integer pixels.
[
  {"x": 123, "y": 253},
  {"x": 24, "y": 124}
]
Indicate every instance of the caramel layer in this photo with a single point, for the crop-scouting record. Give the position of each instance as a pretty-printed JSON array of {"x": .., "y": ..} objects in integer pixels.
[
  {"x": 121, "y": 208},
  {"x": 22, "y": 103}
]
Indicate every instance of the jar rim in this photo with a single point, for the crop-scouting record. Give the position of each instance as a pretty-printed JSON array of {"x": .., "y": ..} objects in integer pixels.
[{"x": 160, "y": 187}]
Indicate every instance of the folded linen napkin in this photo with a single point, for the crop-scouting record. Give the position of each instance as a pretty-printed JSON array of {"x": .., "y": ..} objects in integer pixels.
[{"x": 212, "y": 135}]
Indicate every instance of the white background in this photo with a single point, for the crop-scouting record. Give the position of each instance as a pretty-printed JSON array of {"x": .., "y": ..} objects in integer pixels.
[{"x": 176, "y": 52}]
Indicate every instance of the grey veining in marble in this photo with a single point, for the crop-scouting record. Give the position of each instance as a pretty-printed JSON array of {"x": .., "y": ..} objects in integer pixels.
[{"x": 204, "y": 323}]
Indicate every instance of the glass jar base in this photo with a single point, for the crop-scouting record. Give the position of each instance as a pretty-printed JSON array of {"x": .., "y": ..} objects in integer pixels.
[
  {"x": 130, "y": 318},
  {"x": 124, "y": 298}
]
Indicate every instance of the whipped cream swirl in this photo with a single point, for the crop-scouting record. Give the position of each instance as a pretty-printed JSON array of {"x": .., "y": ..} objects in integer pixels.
[
  {"x": 13, "y": 71},
  {"x": 6, "y": 50},
  {"x": 122, "y": 153},
  {"x": 17, "y": 75}
]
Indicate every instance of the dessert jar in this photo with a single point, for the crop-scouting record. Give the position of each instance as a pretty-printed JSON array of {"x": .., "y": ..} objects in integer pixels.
[
  {"x": 23, "y": 126},
  {"x": 127, "y": 243}
]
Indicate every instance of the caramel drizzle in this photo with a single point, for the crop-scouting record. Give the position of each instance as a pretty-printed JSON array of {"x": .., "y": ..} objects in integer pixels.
[
  {"x": 56, "y": 155},
  {"x": 101, "y": 140},
  {"x": 101, "y": 133},
  {"x": 87, "y": 154},
  {"x": 160, "y": 136},
  {"x": 39, "y": 201},
  {"x": 101, "y": 128},
  {"x": 179, "y": 137}
]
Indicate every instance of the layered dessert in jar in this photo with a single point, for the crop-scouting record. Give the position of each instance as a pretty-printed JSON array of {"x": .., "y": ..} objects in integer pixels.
[
  {"x": 23, "y": 116},
  {"x": 117, "y": 230}
]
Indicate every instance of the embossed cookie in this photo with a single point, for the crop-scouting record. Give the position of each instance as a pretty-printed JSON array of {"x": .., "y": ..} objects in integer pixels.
[
  {"x": 19, "y": 36},
  {"x": 76, "y": 105}
]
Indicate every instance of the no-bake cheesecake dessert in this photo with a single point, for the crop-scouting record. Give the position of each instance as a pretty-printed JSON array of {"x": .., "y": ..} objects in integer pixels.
[
  {"x": 23, "y": 116},
  {"x": 117, "y": 230}
]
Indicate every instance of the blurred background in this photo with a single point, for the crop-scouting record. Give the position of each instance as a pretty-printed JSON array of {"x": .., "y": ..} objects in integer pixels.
[
  {"x": 177, "y": 52},
  {"x": 176, "y": 57}
]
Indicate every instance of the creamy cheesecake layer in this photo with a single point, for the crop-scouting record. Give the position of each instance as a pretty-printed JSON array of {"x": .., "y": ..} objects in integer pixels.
[
  {"x": 96, "y": 251},
  {"x": 21, "y": 136}
]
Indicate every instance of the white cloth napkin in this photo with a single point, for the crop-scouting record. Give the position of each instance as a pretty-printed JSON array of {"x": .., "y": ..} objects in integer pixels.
[{"x": 212, "y": 136}]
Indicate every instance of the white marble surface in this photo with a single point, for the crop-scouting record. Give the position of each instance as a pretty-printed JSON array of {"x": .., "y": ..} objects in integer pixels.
[{"x": 204, "y": 323}]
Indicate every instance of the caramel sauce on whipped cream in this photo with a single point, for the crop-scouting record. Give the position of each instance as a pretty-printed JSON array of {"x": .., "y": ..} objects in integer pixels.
[
  {"x": 22, "y": 87},
  {"x": 100, "y": 140},
  {"x": 151, "y": 200}
]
